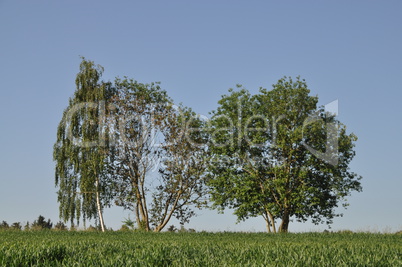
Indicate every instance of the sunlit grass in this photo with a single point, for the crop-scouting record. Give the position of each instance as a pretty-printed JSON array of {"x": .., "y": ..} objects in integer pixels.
[{"x": 49, "y": 248}]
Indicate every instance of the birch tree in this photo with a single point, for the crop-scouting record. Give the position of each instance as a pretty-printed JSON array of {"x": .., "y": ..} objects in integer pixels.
[{"x": 82, "y": 149}]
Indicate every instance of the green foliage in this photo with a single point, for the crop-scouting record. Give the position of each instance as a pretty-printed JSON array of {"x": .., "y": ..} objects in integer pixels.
[
  {"x": 271, "y": 154},
  {"x": 16, "y": 226},
  {"x": 60, "y": 226},
  {"x": 158, "y": 170},
  {"x": 92, "y": 229},
  {"x": 172, "y": 228},
  {"x": 82, "y": 148},
  {"x": 110, "y": 140},
  {"x": 198, "y": 249},
  {"x": 182, "y": 170},
  {"x": 41, "y": 224},
  {"x": 128, "y": 224},
  {"x": 277, "y": 155},
  {"x": 27, "y": 226},
  {"x": 124, "y": 228},
  {"x": 139, "y": 112},
  {"x": 4, "y": 225}
]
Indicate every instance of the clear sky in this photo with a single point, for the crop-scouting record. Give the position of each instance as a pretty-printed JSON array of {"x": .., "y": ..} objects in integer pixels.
[{"x": 350, "y": 51}]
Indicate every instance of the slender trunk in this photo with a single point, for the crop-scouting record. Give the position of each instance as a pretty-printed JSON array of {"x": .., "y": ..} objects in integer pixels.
[
  {"x": 137, "y": 215},
  {"x": 268, "y": 225},
  {"x": 283, "y": 228},
  {"x": 136, "y": 177},
  {"x": 141, "y": 216},
  {"x": 267, "y": 219},
  {"x": 142, "y": 213},
  {"x": 167, "y": 217},
  {"x": 99, "y": 207},
  {"x": 273, "y": 221},
  {"x": 144, "y": 208}
]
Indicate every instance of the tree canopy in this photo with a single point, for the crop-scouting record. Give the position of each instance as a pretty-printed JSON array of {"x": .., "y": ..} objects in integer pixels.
[
  {"x": 82, "y": 149},
  {"x": 277, "y": 155},
  {"x": 127, "y": 143}
]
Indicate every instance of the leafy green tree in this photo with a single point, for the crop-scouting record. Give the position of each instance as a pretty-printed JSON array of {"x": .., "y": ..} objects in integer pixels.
[
  {"x": 113, "y": 144},
  {"x": 182, "y": 180},
  {"x": 277, "y": 155},
  {"x": 128, "y": 224},
  {"x": 60, "y": 226},
  {"x": 16, "y": 226},
  {"x": 4, "y": 225},
  {"x": 41, "y": 223},
  {"x": 138, "y": 116},
  {"x": 81, "y": 151},
  {"x": 172, "y": 228},
  {"x": 150, "y": 143}
]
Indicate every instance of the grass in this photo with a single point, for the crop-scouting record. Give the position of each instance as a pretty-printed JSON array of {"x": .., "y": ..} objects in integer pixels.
[{"x": 50, "y": 248}]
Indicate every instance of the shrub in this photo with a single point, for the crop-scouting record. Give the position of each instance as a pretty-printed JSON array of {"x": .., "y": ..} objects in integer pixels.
[
  {"x": 60, "y": 226},
  {"x": 42, "y": 224}
]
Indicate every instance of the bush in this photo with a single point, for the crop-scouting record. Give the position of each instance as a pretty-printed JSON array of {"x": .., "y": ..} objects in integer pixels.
[
  {"x": 124, "y": 228},
  {"x": 4, "y": 225},
  {"x": 60, "y": 226},
  {"x": 93, "y": 229},
  {"x": 16, "y": 226},
  {"x": 41, "y": 224},
  {"x": 172, "y": 228}
]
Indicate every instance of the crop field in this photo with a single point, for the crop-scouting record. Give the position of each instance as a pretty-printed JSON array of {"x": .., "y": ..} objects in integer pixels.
[{"x": 50, "y": 248}]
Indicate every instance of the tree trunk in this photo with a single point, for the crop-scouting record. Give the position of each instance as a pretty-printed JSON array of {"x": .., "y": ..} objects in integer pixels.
[
  {"x": 144, "y": 209},
  {"x": 268, "y": 219},
  {"x": 273, "y": 222},
  {"x": 142, "y": 219},
  {"x": 283, "y": 228},
  {"x": 268, "y": 225},
  {"x": 167, "y": 217},
  {"x": 99, "y": 207},
  {"x": 137, "y": 215}
]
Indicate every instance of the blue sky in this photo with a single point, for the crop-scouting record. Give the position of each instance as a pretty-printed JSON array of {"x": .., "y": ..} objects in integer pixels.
[{"x": 350, "y": 51}]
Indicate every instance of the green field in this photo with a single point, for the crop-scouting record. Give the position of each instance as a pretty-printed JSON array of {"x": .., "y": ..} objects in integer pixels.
[{"x": 50, "y": 248}]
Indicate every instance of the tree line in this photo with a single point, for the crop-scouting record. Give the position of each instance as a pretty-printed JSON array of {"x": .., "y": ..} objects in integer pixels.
[
  {"x": 275, "y": 154},
  {"x": 39, "y": 224}
]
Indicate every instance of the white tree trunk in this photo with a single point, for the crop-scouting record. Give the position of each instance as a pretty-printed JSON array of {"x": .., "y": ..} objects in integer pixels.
[{"x": 99, "y": 207}]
